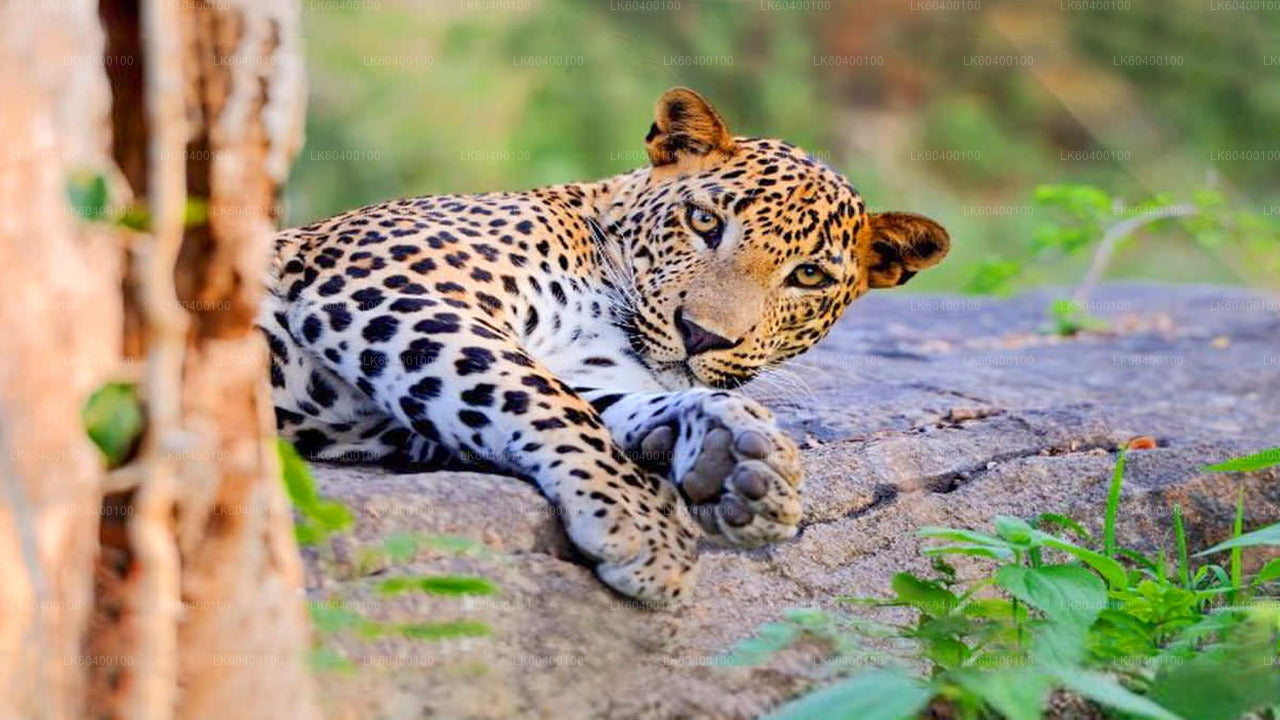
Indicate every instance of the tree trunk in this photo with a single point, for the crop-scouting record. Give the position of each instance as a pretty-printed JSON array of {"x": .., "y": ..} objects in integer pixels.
[
  {"x": 60, "y": 319},
  {"x": 180, "y": 594}
]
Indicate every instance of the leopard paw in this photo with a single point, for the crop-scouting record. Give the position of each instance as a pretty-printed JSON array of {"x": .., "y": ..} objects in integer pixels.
[
  {"x": 740, "y": 473},
  {"x": 645, "y": 542}
]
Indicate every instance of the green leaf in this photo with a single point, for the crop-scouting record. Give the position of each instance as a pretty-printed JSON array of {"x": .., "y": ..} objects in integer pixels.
[
  {"x": 323, "y": 659},
  {"x": 306, "y": 534},
  {"x": 1248, "y": 463},
  {"x": 1017, "y": 693},
  {"x": 808, "y": 618},
  {"x": 1119, "y": 634},
  {"x": 1227, "y": 680},
  {"x": 134, "y": 217},
  {"x": 992, "y": 277},
  {"x": 396, "y": 585},
  {"x": 967, "y": 542},
  {"x": 1104, "y": 690},
  {"x": 297, "y": 476},
  {"x": 960, "y": 535},
  {"x": 988, "y": 551},
  {"x": 438, "y": 585},
  {"x": 457, "y": 585},
  {"x": 1070, "y": 318},
  {"x": 1208, "y": 198},
  {"x": 946, "y": 571},
  {"x": 1269, "y": 535},
  {"x": 1110, "y": 570},
  {"x": 1219, "y": 576},
  {"x": 138, "y": 217},
  {"x": 425, "y": 631},
  {"x": 331, "y": 617},
  {"x": 1069, "y": 593},
  {"x": 929, "y": 597},
  {"x": 195, "y": 212},
  {"x": 1078, "y": 201},
  {"x": 1142, "y": 561},
  {"x": 442, "y": 631},
  {"x": 455, "y": 544},
  {"x": 1269, "y": 572},
  {"x": 318, "y": 518},
  {"x": 1237, "y": 552},
  {"x": 876, "y": 694},
  {"x": 330, "y": 515},
  {"x": 113, "y": 418},
  {"x": 1070, "y": 596},
  {"x": 1014, "y": 530},
  {"x": 1055, "y": 643},
  {"x": 1180, "y": 539},
  {"x": 946, "y": 652},
  {"x": 1113, "y": 505},
  {"x": 87, "y": 195},
  {"x": 995, "y": 608},
  {"x": 1200, "y": 635},
  {"x": 769, "y": 639},
  {"x": 400, "y": 547},
  {"x": 1047, "y": 521}
]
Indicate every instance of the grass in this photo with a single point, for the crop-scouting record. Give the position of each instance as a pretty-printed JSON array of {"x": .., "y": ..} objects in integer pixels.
[
  {"x": 1113, "y": 504},
  {"x": 1053, "y": 609}
]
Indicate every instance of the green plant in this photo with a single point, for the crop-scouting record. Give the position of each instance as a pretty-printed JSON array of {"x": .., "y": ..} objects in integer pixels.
[
  {"x": 1068, "y": 317},
  {"x": 89, "y": 198},
  {"x": 993, "y": 276},
  {"x": 332, "y": 618},
  {"x": 1083, "y": 216},
  {"x": 1248, "y": 463},
  {"x": 318, "y": 519},
  {"x": 1079, "y": 217},
  {"x": 1122, "y": 628},
  {"x": 114, "y": 419}
]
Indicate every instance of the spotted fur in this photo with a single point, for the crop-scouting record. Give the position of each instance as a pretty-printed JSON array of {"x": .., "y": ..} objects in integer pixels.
[{"x": 588, "y": 336}]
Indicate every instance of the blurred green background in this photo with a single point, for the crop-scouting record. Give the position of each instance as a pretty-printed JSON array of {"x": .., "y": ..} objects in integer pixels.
[{"x": 954, "y": 108}]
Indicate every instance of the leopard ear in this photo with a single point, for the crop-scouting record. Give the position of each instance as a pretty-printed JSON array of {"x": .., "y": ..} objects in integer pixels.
[
  {"x": 895, "y": 246},
  {"x": 686, "y": 129}
]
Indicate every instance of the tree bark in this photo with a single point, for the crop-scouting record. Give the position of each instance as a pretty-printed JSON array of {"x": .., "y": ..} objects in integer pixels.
[
  {"x": 60, "y": 319},
  {"x": 180, "y": 594}
]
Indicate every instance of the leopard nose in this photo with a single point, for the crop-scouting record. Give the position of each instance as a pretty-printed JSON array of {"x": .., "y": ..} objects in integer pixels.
[{"x": 698, "y": 339}]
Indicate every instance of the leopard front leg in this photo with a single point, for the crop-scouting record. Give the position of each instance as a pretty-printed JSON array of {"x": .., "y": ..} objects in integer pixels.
[
  {"x": 740, "y": 472},
  {"x": 460, "y": 380}
]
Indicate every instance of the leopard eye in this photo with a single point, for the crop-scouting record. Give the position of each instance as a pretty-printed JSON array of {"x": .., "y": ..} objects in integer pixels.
[
  {"x": 706, "y": 223},
  {"x": 809, "y": 276}
]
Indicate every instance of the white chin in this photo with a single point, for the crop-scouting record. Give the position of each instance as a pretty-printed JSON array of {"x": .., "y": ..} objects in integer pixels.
[{"x": 676, "y": 376}]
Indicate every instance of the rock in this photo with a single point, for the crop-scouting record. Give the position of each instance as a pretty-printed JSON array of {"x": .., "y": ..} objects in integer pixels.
[{"x": 917, "y": 410}]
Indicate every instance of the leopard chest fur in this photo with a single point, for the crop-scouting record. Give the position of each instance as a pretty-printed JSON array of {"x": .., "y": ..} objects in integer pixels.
[{"x": 578, "y": 335}]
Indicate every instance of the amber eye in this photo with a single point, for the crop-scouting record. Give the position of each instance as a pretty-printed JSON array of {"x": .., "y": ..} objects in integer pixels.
[
  {"x": 705, "y": 223},
  {"x": 809, "y": 276}
]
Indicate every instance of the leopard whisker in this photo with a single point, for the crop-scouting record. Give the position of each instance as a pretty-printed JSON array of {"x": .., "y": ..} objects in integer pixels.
[{"x": 790, "y": 385}]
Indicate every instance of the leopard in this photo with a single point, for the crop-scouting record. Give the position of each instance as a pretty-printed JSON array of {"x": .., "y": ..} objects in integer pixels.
[{"x": 592, "y": 338}]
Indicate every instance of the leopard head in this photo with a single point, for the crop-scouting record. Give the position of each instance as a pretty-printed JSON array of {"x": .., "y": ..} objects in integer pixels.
[{"x": 743, "y": 252}]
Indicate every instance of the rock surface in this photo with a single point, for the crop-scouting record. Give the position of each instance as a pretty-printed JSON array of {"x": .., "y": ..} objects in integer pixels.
[{"x": 917, "y": 410}]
